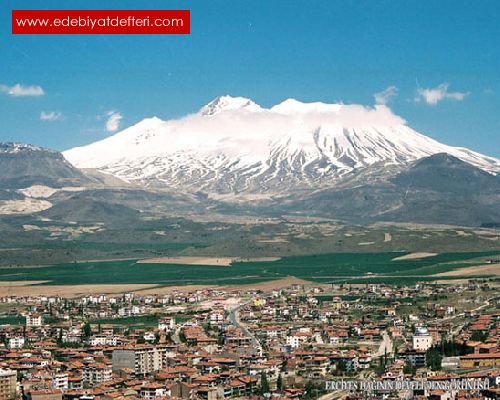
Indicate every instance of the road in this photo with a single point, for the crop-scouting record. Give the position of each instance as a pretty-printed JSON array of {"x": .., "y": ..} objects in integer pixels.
[
  {"x": 175, "y": 335},
  {"x": 234, "y": 318},
  {"x": 386, "y": 346},
  {"x": 455, "y": 331}
]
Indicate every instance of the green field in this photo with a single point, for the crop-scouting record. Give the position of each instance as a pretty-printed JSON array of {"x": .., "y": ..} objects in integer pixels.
[
  {"x": 136, "y": 321},
  {"x": 324, "y": 268},
  {"x": 143, "y": 321},
  {"x": 12, "y": 320}
]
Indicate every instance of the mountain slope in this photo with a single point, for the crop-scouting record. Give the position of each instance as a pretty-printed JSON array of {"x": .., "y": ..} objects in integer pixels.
[
  {"x": 23, "y": 165},
  {"x": 84, "y": 209},
  {"x": 445, "y": 173},
  {"x": 439, "y": 189},
  {"x": 232, "y": 145}
]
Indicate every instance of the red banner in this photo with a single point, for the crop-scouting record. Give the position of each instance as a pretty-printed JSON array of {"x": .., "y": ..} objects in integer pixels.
[{"x": 100, "y": 22}]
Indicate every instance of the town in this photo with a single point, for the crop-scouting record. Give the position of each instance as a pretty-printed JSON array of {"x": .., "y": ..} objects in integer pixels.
[{"x": 284, "y": 343}]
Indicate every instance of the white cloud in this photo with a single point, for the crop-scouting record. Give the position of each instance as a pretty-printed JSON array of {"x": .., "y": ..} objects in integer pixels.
[
  {"x": 247, "y": 132},
  {"x": 19, "y": 90},
  {"x": 433, "y": 96},
  {"x": 51, "y": 116},
  {"x": 385, "y": 95},
  {"x": 113, "y": 121}
]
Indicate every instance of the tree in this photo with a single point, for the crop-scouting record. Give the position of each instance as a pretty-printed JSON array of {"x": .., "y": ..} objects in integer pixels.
[
  {"x": 342, "y": 366},
  {"x": 433, "y": 359},
  {"x": 409, "y": 369},
  {"x": 264, "y": 383},
  {"x": 380, "y": 368},
  {"x": 87, "y": 330},
  {"x": 60, "y": 337},
  {"x": 279, "y": 383},
  {"x": 284, "y": 365},
  {"x": 309, "y": 389}
]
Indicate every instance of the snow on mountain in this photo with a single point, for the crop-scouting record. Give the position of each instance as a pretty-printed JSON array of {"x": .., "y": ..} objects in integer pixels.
[
  {"x": 234, "y": 145},
  {"x": 225, "y": 103},
  {"x": 15, "y": 148}
]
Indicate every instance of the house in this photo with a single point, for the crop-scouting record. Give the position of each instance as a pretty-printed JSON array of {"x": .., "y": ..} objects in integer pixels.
[
  {"x": 53, "y": 394},
  {"x": 166, "y": 324},
  {"x": 16, "y": 342},
  {"x": 153, "y": 390},
  {"x": 60, "y": 381},
  {"x": 422, "y": 339},
  {"x": 480, "y": 360},
  {"x": 216, "y": 317},
  {"x": 33, "y": 320},
  {"x": 96, "y": 373},
  {"x": 416, "y": 358},
  {"x": 8, "y": 383}
]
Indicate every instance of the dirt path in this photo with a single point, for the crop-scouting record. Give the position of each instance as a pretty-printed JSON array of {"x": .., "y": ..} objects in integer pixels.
[{"x": 35, "y": 288}]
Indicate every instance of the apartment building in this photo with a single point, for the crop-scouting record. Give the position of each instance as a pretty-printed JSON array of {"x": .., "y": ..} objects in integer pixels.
[
  {"x": 96, "y": 373},
  {"x": 8, "y": 384},
  {"x": 143, "y": 360}
]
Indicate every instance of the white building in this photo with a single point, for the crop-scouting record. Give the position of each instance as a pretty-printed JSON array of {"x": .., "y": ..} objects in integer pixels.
[
  {"x": 217, "y": 317},
  {"x": 422, "y": 339},
  {"x": 60, "y": 381},
  {"x": 149, "y": 337},
  {"x": 166, "y": 324},
  {"x": 16, "y": 342},
  {"x": 103, "y": 340},
  {"x": 8, "y": 384},
  {"x": 96, "y": 373},
  {"x": 33, "y": 320},
  {"x": 153, "y": 390}
]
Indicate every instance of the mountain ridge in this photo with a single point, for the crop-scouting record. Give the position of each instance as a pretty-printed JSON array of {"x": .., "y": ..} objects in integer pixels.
[
  {"x": 233, "y": 145},
  {"x": 435, "y": 189},
  {"x": 23, "y": 165}
]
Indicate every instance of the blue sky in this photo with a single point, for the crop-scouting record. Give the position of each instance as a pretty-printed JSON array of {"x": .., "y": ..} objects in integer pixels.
[{"x": 331, "y": 51}]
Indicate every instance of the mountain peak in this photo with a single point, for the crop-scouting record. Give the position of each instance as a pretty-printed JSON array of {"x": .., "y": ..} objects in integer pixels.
[
  {"x": 225, "y": 103},
  {"x": 24, "y": 165},
  {"x": 444, "y": 172},
  {"x": 14, "y": 148},
  {"x": 234, "y": 145},
  {"x": 439, "y": 159}
]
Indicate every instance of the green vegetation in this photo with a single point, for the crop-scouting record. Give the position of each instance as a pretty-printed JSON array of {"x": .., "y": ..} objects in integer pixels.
[
  {"x": 12, "y": 320},
  {"x": 138, "y": 321},
  {"x": 141, "y": 320},
  {"x": 434, "y": 359},
  {"x": 324, "y": 268},
  {"x": 57, "y": 241},
  {"x": 264, "y": 384}
]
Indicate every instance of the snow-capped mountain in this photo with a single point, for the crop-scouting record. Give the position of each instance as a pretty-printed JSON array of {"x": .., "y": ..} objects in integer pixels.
[{"x": 233, "y": 145}]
